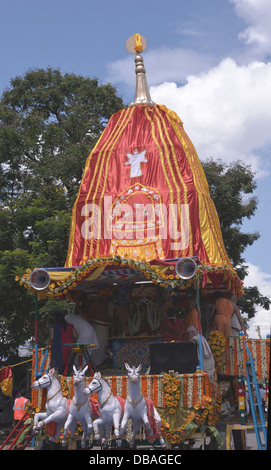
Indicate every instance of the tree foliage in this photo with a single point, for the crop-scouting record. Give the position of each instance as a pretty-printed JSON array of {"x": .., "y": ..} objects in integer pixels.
[
  {"x": 231, "y": 188},
  {"x": 49, "y": 123}
]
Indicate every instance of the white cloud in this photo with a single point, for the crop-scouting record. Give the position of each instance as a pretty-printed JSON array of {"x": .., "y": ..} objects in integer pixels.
[
  {"x": 226, "y": 111},
  {"x": 257, "y": 14},
  {"x": 163, "y": 64},
  {"x": 256, "y": 277},
  {"x": 261, "y": 320},
  {"x": 259, "y": 278}
]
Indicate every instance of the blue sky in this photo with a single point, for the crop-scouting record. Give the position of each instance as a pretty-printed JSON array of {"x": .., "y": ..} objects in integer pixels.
[{"x": 207, "y": 60}]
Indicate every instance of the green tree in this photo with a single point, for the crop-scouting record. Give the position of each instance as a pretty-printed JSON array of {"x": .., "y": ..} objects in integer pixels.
[
  {"x": 231, "y": 188},
  {"x": 49, "y": 122}
]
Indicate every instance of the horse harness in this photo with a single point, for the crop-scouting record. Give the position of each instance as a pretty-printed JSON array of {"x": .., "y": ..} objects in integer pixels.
[
  {"x": 49, "y": 383},
  {"x": 134, "y": 403},
  {"x": 79, "y": 404},
  {"x": 99, "y": 387}
]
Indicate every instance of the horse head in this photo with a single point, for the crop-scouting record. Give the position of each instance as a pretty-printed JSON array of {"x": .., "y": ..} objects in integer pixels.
[
  {"x": 95, "y": 385},
  {"x": 45, "y": 381},
  {"x": 133, "y": 372},
  {"x": 79, "y": 375}
]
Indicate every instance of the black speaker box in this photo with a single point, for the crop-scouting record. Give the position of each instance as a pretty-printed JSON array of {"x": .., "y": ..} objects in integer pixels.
[{"x": 181, "y": 357}]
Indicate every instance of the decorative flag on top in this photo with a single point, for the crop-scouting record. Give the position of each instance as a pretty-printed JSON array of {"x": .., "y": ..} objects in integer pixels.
[{"x": 144, "y": 194}]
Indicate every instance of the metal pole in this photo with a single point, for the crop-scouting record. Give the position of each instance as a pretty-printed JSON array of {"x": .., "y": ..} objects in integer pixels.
[
  {"x": 200, "y": 340},
  {"x": 36, "y": 338},
  {"x": 268, "y": 446}
]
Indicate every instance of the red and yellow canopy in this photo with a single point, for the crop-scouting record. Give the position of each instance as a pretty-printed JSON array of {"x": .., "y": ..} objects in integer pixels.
[{"x": 144, "y": 194}]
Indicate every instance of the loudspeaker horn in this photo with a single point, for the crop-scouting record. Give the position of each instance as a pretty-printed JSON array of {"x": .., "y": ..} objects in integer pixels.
[
  {"x": 39, "y": 279},
  {"x": 185, "y": 268}
]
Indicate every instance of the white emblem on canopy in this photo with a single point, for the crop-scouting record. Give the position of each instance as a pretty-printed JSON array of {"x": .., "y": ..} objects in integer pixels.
[{"x": 134, "y": 161}]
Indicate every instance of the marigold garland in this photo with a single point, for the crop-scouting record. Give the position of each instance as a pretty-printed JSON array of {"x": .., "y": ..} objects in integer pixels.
[
  {"x": 61, "y": 288},
  {"x": 201, "y": 415},
  {"x": 172, "y": 390},
  {"x": 143, "y": 385},
  {"x": 217, "y": 342},
  {"x": 67, "y": 389},
  {"x": 205, "y": 411}
]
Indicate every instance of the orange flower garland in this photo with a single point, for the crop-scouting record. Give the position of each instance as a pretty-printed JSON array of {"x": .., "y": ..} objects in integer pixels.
[
  {"x": 172, "y": 390},
  {"x": 217, "y": 343}
]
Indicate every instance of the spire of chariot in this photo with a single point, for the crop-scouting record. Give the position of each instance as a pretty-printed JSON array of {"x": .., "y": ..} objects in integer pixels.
[{"x": 135, "y": 45}]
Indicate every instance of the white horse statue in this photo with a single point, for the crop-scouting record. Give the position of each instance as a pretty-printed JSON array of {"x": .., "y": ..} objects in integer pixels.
[
  {"x": 140, "y": 410},
  {"x": 57, "y": 407},
  {"x": 110, "y": 409},
  {"x": 80, "y": 409}
]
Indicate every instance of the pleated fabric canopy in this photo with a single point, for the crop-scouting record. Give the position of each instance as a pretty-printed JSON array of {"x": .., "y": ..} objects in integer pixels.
[{"x": 144, "y": 194}]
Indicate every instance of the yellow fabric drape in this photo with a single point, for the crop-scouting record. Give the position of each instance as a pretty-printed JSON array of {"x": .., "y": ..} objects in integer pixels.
[
  {"x": 6, "y": 381},
  {"x": 6, "y": 387},
  {"x": 59, "y": 275},
  {"x": 209, "y": 223},
  {"x": 172, "y": 114},
  {"x": 95, "y": 274},
  {"x": 62, "y": 275}
]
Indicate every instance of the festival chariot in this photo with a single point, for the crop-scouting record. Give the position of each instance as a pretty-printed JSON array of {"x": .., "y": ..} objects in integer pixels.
[{"x": 145, "y": 238}]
